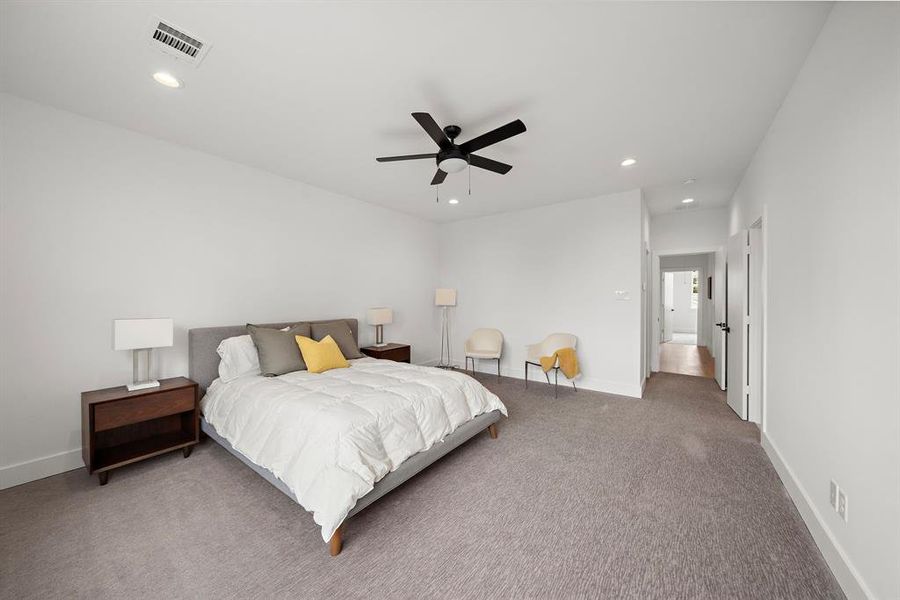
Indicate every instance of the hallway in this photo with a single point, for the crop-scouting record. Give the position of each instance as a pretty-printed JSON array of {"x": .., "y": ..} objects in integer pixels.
[{"x": 686, "y": 360}]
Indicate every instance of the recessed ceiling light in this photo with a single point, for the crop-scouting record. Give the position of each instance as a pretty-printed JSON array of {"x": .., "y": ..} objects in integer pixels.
[
  {"x": 629, "y": 162},
  {"x": 689, "y": 181},
  {"x": 687, "y": 200},
  {"x": 167, "y": 79},
  {"x": 453, "y": 201}
]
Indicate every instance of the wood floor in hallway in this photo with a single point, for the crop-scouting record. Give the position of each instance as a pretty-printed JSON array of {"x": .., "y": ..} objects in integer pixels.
[{"x": 686, "y": 360}]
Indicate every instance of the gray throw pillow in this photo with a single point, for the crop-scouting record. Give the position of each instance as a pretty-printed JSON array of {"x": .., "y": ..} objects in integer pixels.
[
  {"x": 278, "y": 350},
  {"x": 340, "y": 332}
]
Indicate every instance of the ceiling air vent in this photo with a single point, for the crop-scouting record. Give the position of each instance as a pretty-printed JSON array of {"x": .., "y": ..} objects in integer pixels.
[{"x": 175, "y": 41}]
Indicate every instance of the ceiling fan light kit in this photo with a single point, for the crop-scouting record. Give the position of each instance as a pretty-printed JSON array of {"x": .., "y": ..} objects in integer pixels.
[
  {"x": 453, "y": 165},
  {"x": 452, "y": 157}
]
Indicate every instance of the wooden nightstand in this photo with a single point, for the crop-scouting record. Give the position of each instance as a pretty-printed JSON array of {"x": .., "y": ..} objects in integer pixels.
[
  {"x": 119, "y": 427},
  {"x": 397, "y": 352}
]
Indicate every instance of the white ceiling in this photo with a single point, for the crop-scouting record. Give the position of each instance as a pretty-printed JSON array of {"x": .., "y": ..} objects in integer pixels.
[{"x": 315, "y": 91}]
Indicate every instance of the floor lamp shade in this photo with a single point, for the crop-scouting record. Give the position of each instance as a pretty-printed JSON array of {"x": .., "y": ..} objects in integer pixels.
[
  {"x": 445, "y": 297},
  {"x": 141, "y": 336},
  {"x": 379, "y": 317}
]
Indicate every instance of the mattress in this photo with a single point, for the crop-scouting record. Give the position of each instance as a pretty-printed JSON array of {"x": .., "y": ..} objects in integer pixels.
[{"x": 330, "y": 437}]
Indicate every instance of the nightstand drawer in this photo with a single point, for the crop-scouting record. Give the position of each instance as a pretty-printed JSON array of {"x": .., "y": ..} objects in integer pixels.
[
  {"x": 127, "y": 411},
  {"x": 396, "y": 352}
]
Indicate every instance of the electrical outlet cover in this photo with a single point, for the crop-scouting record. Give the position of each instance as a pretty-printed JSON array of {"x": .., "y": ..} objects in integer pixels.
[
  {"x": 842, "y": 507},
  {"x": 833, "y": 494}
]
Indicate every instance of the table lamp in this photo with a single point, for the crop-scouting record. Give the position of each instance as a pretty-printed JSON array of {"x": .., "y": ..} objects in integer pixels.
[
  {"x": 141, "y": 336},
  {"x": 379, "y": 317}
]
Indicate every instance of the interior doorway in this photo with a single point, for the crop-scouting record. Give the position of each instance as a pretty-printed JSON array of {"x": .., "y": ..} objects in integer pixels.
[
  {"x": 681, "y": 304},
  {"x": 683, "y": 300}
]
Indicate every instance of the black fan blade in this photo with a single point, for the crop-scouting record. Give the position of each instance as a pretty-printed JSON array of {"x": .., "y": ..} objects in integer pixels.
[
  {"x": 432, "y": 128},
  {"x": 404, "y": 157},
  {"x": 438, "y": 177},
  {"x": 492, "y": 137},
  {"x": 491, "y": 165}
]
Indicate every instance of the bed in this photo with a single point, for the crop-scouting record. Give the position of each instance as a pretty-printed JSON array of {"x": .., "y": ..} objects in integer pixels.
[{"x": 338, "y": 441}]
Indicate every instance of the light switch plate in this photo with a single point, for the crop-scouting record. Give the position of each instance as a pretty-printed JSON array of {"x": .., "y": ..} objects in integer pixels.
[{"x": 833, "y": 494}]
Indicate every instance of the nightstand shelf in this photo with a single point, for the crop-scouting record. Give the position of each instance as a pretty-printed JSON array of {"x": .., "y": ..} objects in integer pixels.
[
  {"x": 397, "y": 352},
  {"x": 121, "y": 427}
]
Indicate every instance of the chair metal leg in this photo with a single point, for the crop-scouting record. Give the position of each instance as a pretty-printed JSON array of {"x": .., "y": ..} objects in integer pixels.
[
  {"x": 526, "y": 374},
  {"x": 556, "y": 383},
  {"x": 498, "y": 369},
  {"x": 547, "y": 375},
  {"x": 573, "y": 386}
]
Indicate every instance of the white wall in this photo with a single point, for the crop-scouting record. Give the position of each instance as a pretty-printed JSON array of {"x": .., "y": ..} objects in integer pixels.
[
  {"x": 689, "y": 231},
  {"x": 828, "y": 177},
  {"x": 100, "y": 223},
  {"x": 554, "y": 269}
]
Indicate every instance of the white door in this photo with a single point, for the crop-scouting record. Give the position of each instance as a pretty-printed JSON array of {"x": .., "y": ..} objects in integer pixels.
[
  {"x": 736, "y": 302},
  {"x": 720, "y": 338},
  {"x": 668, "y": 306},
  {"x": 754, "y": 327}
]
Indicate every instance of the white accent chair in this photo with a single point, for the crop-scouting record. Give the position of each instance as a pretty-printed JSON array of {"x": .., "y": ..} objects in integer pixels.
[
  {"x": 484, "y": 343},
  {"x": 549, "y": 345}
]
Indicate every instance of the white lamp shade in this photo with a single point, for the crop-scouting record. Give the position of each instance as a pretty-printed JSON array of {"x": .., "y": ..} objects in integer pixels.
[
  {"x": 135, "y": 334},
  {"x": 445, "y": 297},
  {"x": 380, "y": 316}
]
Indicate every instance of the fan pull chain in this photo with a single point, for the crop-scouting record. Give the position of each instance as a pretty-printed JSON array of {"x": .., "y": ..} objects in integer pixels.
[
  {"x": 469, "y": 160},
  {"x": 437, "y": 197}
]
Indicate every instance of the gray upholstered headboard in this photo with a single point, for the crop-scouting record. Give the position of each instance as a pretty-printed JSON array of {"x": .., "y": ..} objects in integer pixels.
[{"x": 203, "y": 362}]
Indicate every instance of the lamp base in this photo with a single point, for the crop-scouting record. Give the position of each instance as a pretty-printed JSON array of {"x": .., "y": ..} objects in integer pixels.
[
  {"x": 379, "y": 344},
  {"x": 142, "y": 385}
]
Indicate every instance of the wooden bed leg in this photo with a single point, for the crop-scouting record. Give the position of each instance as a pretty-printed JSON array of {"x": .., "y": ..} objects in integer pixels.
[
  {"x": 336, "y": 544},
  {"x": 492, "y": 429}
]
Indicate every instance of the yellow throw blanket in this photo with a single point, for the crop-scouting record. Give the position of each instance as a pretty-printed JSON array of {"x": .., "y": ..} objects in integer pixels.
[{"x": 568, "y": 362}]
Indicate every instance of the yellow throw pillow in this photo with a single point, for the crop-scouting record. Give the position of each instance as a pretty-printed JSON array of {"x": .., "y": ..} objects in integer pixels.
[{"x": 321, "y": 356}]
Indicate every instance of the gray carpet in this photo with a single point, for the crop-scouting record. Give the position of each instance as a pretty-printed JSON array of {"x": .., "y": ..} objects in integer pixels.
[{"x": 587, "y": 496}]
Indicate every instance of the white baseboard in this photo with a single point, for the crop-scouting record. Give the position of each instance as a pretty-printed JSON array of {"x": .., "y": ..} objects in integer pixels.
[
  {"x": 39, "y": 468},
  {"x": 429, "y": 363},
  {"x": 848, "y": 577},
  {"x": 588, "y": 383}
]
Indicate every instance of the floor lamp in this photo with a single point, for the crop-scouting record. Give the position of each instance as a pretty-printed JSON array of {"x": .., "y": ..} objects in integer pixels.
[{"x": 445, "y": 298}]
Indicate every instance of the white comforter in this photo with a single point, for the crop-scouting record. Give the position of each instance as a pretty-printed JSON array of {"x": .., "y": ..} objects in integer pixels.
[{"x": 330, "y": 437}]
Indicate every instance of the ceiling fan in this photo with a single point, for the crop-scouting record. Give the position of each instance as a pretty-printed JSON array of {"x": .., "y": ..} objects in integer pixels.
[{"x": 452, "y": 158}]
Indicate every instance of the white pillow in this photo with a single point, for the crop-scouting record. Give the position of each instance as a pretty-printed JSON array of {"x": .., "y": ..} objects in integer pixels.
[{"x": 238, "y": 357}]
